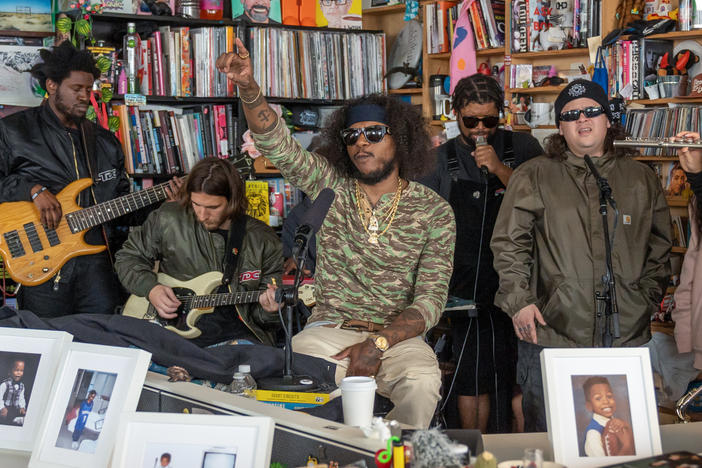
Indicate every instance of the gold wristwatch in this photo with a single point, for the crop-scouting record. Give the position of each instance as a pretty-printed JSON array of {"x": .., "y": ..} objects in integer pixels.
[{"x": 380, "y": 342}]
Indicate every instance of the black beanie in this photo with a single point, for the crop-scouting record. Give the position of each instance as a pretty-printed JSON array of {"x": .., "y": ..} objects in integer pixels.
[{"x": 581, "y": 89}]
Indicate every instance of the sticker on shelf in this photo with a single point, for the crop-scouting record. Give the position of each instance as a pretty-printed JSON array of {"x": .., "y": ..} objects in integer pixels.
[{"x": 135, "y": 99}]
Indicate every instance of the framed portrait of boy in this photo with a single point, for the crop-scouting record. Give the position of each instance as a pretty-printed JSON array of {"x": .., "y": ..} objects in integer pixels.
[
  {"x": 600, "y": 405},
  {"x": 28, "y": 363},
  {"x": 93, "y": 387},
  {"x": 169, "y": 440}
]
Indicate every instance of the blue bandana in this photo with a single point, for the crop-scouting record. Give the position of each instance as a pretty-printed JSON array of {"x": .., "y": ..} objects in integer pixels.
[{"x": 365, "y": 113}]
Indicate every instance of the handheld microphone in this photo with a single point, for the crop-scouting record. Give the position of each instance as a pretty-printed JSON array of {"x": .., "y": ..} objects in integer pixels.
[
  {"x": 312, "y": 220},
  {"x": 481, "y": 141}
]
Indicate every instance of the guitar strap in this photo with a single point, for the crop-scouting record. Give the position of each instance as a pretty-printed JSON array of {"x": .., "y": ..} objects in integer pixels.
[
  {"x": 235, "y": 239},
  {"x": 89, "y": 136}
]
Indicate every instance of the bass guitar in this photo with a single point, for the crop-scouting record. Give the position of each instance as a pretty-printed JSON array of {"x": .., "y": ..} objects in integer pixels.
[
  {"x": 34, "y": 253},
  {"x": 197, "y": 299}
]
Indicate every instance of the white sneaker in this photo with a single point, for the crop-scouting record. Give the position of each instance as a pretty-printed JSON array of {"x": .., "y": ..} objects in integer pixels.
[{"x": 74, "y": 445}]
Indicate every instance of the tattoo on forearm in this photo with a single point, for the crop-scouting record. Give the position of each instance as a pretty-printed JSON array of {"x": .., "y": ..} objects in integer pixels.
[
  {"x": 407, "y": 325},
  {"x": 266, "y": 116}
]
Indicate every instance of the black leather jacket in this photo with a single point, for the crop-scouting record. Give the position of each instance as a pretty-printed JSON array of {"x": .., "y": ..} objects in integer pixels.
[{"x": 35, "y": 148}]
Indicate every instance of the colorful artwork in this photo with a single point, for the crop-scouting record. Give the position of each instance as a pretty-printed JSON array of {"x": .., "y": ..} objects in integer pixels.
[
  {"x": 256, "y": 11},
  {"x": 345, "y": 14},
  {"x": 25, "y": 15}
]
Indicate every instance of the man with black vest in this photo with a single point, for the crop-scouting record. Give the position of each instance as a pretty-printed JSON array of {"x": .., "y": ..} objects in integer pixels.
[{"x": 472, "y": 172}]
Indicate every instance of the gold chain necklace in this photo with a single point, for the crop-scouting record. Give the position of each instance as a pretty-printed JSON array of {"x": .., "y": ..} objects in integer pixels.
[{"x": 373, "y": 226}]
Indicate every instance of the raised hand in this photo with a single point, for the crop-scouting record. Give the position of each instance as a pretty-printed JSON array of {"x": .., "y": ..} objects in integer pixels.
[{"x": 237, "y": 66}]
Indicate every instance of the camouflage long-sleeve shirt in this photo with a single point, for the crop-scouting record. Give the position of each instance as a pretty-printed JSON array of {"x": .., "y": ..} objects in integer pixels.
[{"x": 409, "y": 268}]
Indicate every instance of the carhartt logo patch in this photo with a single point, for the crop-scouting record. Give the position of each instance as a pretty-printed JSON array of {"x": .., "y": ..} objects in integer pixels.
[{"x": 626, "y": 219}]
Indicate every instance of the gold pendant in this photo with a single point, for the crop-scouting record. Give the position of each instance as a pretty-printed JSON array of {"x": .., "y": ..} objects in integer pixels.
[
  {"x": 373, "y": 225},
  {"x": 373, "y": 238}
]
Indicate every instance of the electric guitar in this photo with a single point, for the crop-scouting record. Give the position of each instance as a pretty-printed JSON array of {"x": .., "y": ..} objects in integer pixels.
[
  {"x": 34, "y": 253},
  {"x": 197, "y": 299}
]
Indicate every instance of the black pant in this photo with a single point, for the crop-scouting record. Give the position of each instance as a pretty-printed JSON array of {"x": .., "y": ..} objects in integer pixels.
[
  {"x": 88, "y": 284},
  {"x": 529, "y": 378}
]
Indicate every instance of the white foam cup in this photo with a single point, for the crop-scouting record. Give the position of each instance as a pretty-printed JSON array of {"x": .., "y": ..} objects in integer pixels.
[{"x": 357, "y": 398}]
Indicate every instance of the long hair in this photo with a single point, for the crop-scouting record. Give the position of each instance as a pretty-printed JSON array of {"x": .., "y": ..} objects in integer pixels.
[
  {"x": 57, "y": 64},
  {"x": 478, "y": 88},
  {"x": 217, "y": 177},
  {"x": 556, "y": 145},
  {"x": 412, "y": 141}
]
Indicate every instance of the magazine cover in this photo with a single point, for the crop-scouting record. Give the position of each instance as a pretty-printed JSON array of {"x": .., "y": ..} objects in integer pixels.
[
  {"x": 28, "y": 15},
  {"x": 256, "y": 11}
]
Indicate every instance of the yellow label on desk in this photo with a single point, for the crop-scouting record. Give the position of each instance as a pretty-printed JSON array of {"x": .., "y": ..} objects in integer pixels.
[{"x": 296, "y": 397}]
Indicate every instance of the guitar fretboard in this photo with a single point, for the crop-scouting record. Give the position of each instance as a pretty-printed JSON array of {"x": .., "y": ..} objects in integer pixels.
[
  {"x": 109, "y": 210},
  {"x": 220, "y": 299}
]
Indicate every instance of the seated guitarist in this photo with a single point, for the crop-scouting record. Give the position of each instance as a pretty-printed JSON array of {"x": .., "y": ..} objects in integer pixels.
[
  {"x": 45, "y": 148},
  {"x": 385, "y": 247},
  {"x": 193, "y": 237}
]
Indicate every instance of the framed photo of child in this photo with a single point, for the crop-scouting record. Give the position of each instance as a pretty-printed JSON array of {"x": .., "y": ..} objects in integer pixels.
[
  {"x": 600, "y": 405},
  {"x": 93, "y": 387},
  {"x": 174, "y": 440},
  {"x": 28, "y": 363}
]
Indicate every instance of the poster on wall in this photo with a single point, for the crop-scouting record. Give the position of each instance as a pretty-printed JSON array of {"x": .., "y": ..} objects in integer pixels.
[
  {"x": 25, "y": 15},
  {"x": 344, "y": 14},
  {"x": 256, "y": 11},
  {"x": 17, "y": 87}
]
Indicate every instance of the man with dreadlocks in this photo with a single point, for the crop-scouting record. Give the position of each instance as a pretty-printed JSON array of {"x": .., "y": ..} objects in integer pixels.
[
  {"x": 45, "y": 148},
  {"x": 385, "y": 249},
  {"x": 473, "y": 179}
]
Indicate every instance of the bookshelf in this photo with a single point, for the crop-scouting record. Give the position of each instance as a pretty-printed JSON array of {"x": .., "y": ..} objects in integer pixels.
[{"x": 390, "y": 19}]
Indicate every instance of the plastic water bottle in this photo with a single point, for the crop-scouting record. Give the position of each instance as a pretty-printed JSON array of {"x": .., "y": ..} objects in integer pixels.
[
  {"x": 130, "y": 52},
  {"x": 240, "y": 386},
  {"x": 250, "y": 381}
]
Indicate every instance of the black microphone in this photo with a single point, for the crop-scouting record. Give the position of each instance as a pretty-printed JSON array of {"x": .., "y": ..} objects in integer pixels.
[
  {"x": 601, "y": 182},
  {"x": 312, "y": 220},
  {"x": 481, "y": 141}
]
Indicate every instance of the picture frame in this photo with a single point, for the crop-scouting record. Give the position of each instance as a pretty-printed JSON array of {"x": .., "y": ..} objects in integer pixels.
[
  {"x": 40, "y": 353},
  {"x": 93, "y": 387},
  {"x": 178, "y": 439},
  {"x": 599, "y": 401}
]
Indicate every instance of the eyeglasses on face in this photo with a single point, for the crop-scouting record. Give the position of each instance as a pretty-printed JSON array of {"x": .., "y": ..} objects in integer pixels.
[
  {"x": 373, "y": 133},
  {"x": 573, "y": 115},
  {"x": 490, "y": 121}
]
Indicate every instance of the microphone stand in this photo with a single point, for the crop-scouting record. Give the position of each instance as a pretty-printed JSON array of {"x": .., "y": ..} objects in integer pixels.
[
  {"x": 288, "y": 296},
  {"x": 607, "y": 298}
]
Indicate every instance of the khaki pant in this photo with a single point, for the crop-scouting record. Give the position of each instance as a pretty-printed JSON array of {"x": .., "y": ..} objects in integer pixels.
[{"x": 409, "y": 373}]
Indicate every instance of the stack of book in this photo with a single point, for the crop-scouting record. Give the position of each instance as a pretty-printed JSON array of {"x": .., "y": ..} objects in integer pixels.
[
  {"x": 170, "y": 140},
  {"x": 662, "y": 122}
]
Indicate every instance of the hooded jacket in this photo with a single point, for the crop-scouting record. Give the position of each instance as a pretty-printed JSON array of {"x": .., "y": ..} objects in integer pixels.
[{"x": 548, "y": 246}]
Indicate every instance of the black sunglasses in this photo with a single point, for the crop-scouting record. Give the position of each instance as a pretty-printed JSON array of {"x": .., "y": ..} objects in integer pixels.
[
  {"x": 573, "y": 115},
  {"x": 373, "y": 134},
  {"x": 490, "y": 121}
]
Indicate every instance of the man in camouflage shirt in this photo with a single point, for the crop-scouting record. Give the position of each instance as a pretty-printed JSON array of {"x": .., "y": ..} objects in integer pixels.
[{"x": 385, "y": 250}]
